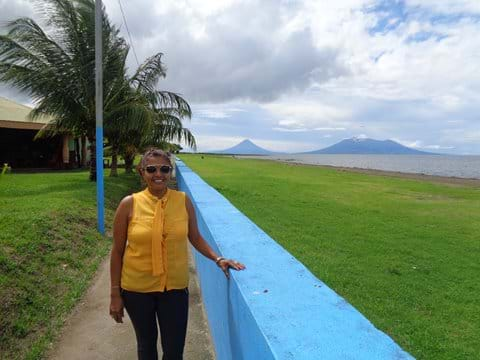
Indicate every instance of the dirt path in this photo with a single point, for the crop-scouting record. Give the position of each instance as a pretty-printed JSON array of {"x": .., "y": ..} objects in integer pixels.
[{"x": 90, "y": 333}]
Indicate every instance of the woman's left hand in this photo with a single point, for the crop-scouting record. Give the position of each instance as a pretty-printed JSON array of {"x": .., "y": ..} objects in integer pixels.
[{"x": 226, "y": 264}]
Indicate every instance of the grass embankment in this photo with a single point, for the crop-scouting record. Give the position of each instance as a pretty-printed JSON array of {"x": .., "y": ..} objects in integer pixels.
[
  {"x": 403, "y": 252},
  {"x": 49, "y": 251}
]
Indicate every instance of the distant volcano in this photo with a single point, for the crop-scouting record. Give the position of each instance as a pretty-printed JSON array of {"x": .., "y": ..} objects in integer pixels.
[
  {"x": 246, "y": 147},
  {"x": 369, "y": 146}
]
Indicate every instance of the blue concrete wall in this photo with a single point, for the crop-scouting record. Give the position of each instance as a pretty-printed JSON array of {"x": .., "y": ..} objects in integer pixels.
[{"x": 276, "y": 308}]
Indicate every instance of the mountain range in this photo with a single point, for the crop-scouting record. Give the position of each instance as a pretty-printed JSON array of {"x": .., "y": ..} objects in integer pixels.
[
  {"x": 347, "y": 146},
  {"x": 368, "y": 146}
]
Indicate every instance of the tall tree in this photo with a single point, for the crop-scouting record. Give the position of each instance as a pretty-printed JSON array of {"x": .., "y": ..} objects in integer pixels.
[
  {"x": 56, "y": 67},
  {"x": 145, "y": 116}
]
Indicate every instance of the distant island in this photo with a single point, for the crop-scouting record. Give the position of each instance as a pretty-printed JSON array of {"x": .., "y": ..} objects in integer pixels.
[
  {"x": 368, "y": 146},
  {"x": 347, "y": 146}
]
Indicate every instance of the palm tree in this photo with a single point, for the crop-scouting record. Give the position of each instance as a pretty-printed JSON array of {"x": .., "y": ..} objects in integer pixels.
[
  {"x": 158, "y": 114},
  {"x": 56, "y": 67}
]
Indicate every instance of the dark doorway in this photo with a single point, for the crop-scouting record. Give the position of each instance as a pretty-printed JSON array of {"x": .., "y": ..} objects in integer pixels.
[{"x": 20, "y": 151}]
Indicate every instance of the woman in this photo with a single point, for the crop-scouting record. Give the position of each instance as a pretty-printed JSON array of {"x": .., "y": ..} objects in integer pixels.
[{"x": 149, "y": 273}]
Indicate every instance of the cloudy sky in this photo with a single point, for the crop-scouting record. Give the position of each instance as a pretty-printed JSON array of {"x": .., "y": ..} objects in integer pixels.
[{"x": 301, "y": 75}]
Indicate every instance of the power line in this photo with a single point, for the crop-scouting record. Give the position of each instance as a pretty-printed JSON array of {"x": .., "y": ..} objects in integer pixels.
[{"x": 128, "y": 31}]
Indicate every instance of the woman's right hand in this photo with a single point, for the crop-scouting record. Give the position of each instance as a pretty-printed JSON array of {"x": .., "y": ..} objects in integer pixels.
[{"x": 116, "y": 308}]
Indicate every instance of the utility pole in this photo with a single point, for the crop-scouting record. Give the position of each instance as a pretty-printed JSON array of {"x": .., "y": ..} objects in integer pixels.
[{"x": 99, "y": 116}]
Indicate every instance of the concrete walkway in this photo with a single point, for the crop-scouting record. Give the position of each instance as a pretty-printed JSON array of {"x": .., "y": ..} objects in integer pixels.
[{"x": 90, "y": 332}]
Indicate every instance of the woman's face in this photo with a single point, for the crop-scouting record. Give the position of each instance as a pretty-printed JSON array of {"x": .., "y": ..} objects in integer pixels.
[{"x": 156, "y": 181}]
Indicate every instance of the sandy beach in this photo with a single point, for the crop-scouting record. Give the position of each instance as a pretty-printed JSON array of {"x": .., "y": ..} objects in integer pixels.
[
  {"x": 449, "y": 180},
  {"x": 432, "y": 178}
]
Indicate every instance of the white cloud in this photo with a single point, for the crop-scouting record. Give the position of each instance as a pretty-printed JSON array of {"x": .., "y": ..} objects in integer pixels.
[
  {"x": 448, "y": 102},
  {"x": 307, "y": 67},
  {"x": 438, "y": 147},
  {"x": 218, "y": 51},
  {"x": 213, "y": 114},
  {"x": 216, "y": 112},
  {"x": 290, "y": 130},
  {"x": 11, "y": 10},
  {"x": 330, "y": 129},
  {"x": 286, "y": 129},
  {"x": 473, "y": 137},
  {"x": 214, "y": 142},
  {"x": 447, "y": 6},
  {"x": 418, "y": 144},
  {"x": 442, "y": 69},
  {"x": 308, "y": 115},
  {"x": 464, "y": 136}
]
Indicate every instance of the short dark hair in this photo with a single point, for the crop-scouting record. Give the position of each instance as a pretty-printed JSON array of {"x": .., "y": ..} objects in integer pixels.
[{"x": 154, "y": 152}]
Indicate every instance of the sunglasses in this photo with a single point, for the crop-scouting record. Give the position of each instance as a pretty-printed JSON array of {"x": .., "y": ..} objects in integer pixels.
[{"x": 164, "y": 169}]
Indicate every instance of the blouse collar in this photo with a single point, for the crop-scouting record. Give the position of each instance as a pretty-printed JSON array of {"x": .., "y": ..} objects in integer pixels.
[{"x": 155, "y": 198}]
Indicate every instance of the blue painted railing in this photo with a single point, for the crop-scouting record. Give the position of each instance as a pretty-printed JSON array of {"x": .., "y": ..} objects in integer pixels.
[{"x": 276, "y": 308}]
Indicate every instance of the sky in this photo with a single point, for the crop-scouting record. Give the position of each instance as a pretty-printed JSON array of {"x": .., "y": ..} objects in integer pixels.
[{"x": 295, "y": 76}]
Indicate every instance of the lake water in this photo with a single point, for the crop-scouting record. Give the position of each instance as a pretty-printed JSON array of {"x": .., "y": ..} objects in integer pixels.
[{"x": 439, "y": 165}]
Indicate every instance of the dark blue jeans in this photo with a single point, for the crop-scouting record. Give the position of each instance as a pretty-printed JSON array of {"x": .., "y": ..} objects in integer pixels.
[{"x": 170, "y": 308}]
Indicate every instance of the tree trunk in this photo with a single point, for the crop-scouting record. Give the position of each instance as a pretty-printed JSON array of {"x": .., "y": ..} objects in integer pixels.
[
  {"x": 93, "y": 163},
  {"x": 84, "y": 151},
  {"x": 114, "y": 166},
  {"x": 77, "y": 153},
  {"x": 129, "y": 159}
]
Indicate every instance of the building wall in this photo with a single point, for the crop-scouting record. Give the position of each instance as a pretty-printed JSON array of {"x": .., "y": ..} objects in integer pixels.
[
  {"x": 276, "y": 308},
  {"x": 19, "y": 150},
  {"x": 18, "y": 147}
]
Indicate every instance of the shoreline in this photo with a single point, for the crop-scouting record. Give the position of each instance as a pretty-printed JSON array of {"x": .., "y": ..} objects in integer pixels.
[{"x": 449, "y": 180}]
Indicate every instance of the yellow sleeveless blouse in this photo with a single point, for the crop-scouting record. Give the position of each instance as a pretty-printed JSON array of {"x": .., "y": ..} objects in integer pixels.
[{"x": 156, "y": 254}]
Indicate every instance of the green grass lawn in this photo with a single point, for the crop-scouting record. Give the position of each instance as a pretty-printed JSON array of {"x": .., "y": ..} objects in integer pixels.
[
  {"x": 406, "y": 253},
  {"x": 49, "y": 251}
]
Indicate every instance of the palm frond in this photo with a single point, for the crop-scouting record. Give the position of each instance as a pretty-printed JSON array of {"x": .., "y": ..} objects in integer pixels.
[
  {"x": 167, "y": 127},
  {"x": 148, "y": 73}
]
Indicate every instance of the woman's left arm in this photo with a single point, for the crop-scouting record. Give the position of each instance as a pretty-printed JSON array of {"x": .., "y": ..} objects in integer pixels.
[{"x": 199, "y": 243}]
